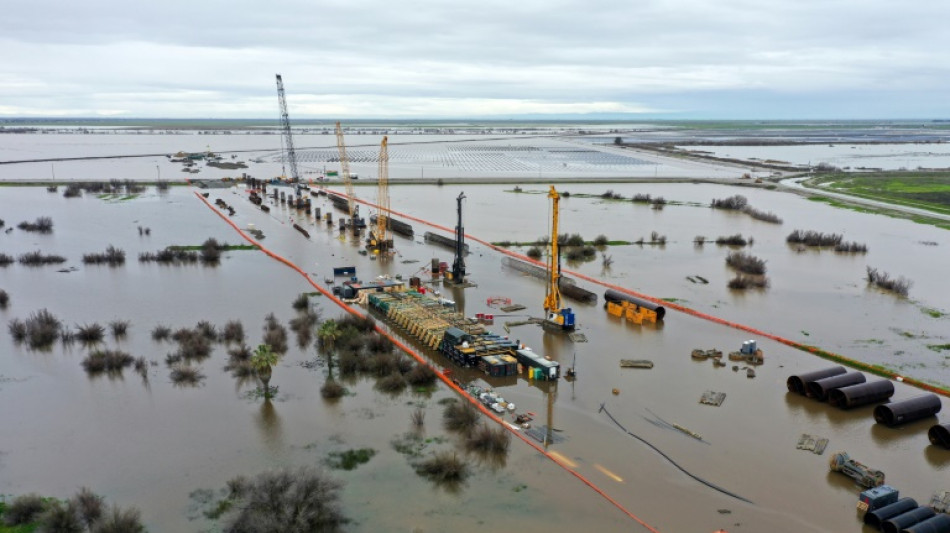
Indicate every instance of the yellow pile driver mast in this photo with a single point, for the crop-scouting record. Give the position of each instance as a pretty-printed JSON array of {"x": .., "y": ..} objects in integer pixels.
[
  {"x": 345, "y": 168},
  {"x": 556, "y": 317},
  {"x": 380, "y": 238}
]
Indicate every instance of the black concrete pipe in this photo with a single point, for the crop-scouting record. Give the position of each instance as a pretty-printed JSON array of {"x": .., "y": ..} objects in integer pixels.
[
  {"x": 819, "y": 389},
  {"x": 897, "y": 413},
  {"x": 936, "y": 524},
  {"x": 904, "y": 521},
  {"x": 940, "y": 435},
  {"x": 901, "y": 506},
  {"x": 861, "y": 394},
  {"x": 797, "y": 382}
]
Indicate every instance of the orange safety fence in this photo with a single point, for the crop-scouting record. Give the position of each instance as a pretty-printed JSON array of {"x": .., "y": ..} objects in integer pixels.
[
  {"x": 847, "y": 361},
  {"x": 445, "y": 379}
]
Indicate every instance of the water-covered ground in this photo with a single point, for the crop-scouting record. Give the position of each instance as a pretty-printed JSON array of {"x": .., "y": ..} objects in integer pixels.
[{"x": 150, "y": 444}]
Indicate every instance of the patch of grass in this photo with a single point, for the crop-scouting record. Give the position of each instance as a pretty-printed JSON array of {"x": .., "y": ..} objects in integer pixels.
[
  {"x": 939, "y": 347},
  {"x": 349, "y": 459},
  {"x": 935, "y": 313},
  {"x": 443, "y": 467}
]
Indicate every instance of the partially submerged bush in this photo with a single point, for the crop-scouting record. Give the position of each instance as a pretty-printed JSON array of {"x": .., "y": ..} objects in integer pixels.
[
  {"x": 112, "y": 361},
  {"x": 485, "y": 439},
  {"x": 392, "y": 384},
  {"x": 207, "y": 330},
  {"x": 112, "y": 256},
  {"x": 161, "y": 333},
  {"x": 233, "y": 331},
  {"x": 4, "y": 299},
  {"x": 884, "y": 281},
  {"x": 90, "y": 333},
  {"x": 6, "y": 259},
  {"x": 814, "y": 238},
  {"x": 443, "y": 467},
  {"x": 732, "y": 240},
  {"x": 275, "y": 334},
  {"x": 301, "y": 302},
  {"x": 460, "y": 417},
  {"x": 210, "y": 251},
  {"x": 641, "y": 198},
  {"x": 89, "y": 505},
  {"x": 762, "y": 215},
  {"x": 38, "y": 258},
  {"x": 534, "y": 252},
  {"x": 361, "y": 324},
  {"x": 743, "y": 281},
  {"x": 120, "y": 328},
  {"x": 303, "y": 500},
  {"x": 421, "y": 376},
  {"x": 186, "y": 375},
  {"x": 331, "y": 390},
  {"x": 746, "y": 263},
  {"x": 851, "y": 247},
  {"x": 735, "y": 203},
  {"x": 40, "y": 225},
  {"x": 581, "y": 253},
  {"x": 17, "y": 330},
  {"x": 42, "y": 329}
]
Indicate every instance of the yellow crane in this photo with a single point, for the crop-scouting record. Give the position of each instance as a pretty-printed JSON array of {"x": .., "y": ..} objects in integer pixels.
[
  {"x": 345, "y": 168},
  {"x": 556, "y": 317},
  {"x": 380, "y": 239}
]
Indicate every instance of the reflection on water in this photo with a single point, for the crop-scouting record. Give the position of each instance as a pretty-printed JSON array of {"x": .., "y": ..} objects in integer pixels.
[{"x": 269, "y": 425}]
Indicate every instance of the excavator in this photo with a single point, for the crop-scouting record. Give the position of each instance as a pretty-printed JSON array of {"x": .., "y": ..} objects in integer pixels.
[{"x": 557, "y": 318}]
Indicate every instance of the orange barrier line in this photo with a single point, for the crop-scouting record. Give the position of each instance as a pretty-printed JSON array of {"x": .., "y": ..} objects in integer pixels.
[
  {"x": 423, "y": 361},
  {"x": 824, "y": 354}
]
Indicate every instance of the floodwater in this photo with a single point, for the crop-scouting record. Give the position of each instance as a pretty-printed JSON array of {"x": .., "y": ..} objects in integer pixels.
[
  {"x": 842, "y": 155},
  {"x": 151, "y": 444}
]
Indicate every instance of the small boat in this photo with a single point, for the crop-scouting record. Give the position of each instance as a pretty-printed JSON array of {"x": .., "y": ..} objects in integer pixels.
[{"x": 636, "y": 363}]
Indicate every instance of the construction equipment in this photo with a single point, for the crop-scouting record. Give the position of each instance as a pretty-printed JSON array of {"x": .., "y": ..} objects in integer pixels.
[
  {"x": 861, "y": 474},
  {"x": 458, "y": 265},
  {"x": 557, "y": 318},
  {"x": 345, "y": 168},
  {"x": 380, "y": 239},
  {"x": 289, "y": 155}
]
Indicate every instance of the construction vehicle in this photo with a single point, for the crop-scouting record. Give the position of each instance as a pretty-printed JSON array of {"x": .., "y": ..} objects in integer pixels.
[
  {"x": 289, "y": 154},
  {"x": 457, "y": 275},
  {"x": 355, "y": 221},
  {"x": 556, "y": 317},
  {"x": 380, "y": 239},
  {"x": 861, "y": 474}
]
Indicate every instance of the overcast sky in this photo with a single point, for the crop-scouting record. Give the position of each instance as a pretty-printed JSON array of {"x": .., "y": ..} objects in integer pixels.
[{"x": 740, "y": 59}]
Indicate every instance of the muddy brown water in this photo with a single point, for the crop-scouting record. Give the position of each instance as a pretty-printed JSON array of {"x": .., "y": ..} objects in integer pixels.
[{"x": 150, "y": 445}]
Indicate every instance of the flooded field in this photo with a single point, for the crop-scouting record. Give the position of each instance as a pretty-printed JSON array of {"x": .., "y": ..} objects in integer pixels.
[
  {"x": 842, "y": 155},
  {"x": 152, "y": 444}
]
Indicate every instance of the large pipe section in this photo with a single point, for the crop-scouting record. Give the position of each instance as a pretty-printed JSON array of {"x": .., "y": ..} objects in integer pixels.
[
  {"x": 939, "y": 435},
  {"x": 615, "y": 296},
  {"x": 904, "y": 521},
  {"x": 936, "y": 524},
  {"x": 897, "y": 413},
  {"x": 862, "y": 394},
  {"x": 820, "y": 388},
  {"x": 876, "y": 517},
  {"x": 797, "y": 382}
]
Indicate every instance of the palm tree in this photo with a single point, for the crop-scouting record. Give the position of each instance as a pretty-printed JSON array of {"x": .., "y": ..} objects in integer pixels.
[
  {"x": 328, "y": 333},
  {"x": 263, "y": 361}
]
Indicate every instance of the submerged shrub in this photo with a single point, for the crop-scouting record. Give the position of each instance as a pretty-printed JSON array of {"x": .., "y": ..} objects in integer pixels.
[
  {"x": 6, "y": 259},
  {"x": 207, "y": 330},
  {"x": 38, "y": 258},
  {"x": 17, "y": 330},
  {"x": 90, "y": 333},
  {"x": 851, "y": 247},
  {"x": 303, "y": 500},
  {"x": 275, "y": 334},
  {"x": 736, "y": 202},
  {"x": 161, "y": 333},
  {"x": 443, "y": 467},
  {"x": 186, "y": 375},
  {"x": 746, "y": 263},
  {"x": 883, "y": 280},
  {"x": 332, "y": 390},
  {"x": 732, "y": 240},
  {"x": 393, "y": 383},
  {"x": 485, "y": 439},
  {"x": 534, "y": 252},
  {"x": 112, "y": 256},
  {"x": 210, "y": 251},
  {"x": 762, "y": 215},
  {"x": 743, "y": 281},
  {"x": 89, "y": 505},
  {"x": 233, "y": 331},
  {"x": 814, "y": 238},
  {"x": 421, "y": 376},
  {"x": 460, "y": 417},
  {"x": 42, "y": 329},
  {"x": 301, "y": 302},
  {"x": 113, "y": 361},
  {"x": 40, "y": 225},
  {"x": 120, "y": 328}
]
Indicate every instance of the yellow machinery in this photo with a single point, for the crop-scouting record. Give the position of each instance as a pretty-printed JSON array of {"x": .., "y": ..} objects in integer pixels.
[
  {"x": 556, "y": 316},
  {"x": 636, "y": 310},
  {"x": 345, "y": 168},
  {"x": 380, "y": 239}
]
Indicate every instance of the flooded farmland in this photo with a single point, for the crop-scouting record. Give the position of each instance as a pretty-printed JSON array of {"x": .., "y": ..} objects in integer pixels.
[{"x": 152, "y": 444}]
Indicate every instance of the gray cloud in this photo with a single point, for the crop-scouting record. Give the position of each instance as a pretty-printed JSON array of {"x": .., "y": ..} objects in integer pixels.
[{"x": 429, "y": 58}]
